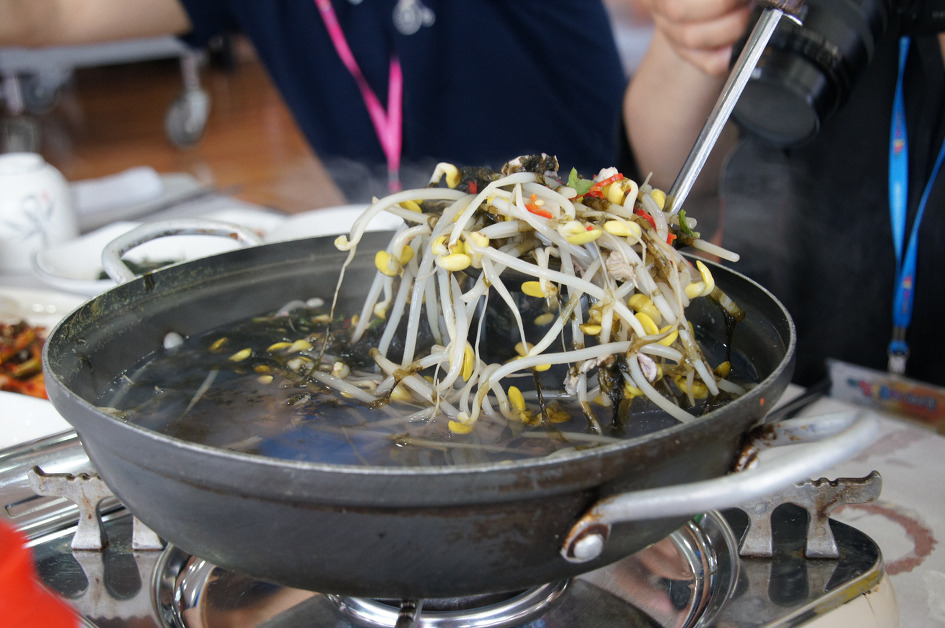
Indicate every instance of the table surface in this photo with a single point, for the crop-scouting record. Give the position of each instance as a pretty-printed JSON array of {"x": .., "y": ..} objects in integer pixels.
[
  {"x": 909, "y": 517},
  {"x": 906, "y": 521}
]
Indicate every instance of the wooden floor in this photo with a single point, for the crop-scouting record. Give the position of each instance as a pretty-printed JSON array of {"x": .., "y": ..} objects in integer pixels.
[{"x": 108, "y": 119}]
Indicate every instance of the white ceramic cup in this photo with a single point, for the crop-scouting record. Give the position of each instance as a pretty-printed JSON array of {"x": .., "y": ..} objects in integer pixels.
[{"x": 35, "y": 209}]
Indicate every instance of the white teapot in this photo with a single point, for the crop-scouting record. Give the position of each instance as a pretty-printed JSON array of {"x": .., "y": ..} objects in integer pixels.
[{"x": 36, "y": 209}]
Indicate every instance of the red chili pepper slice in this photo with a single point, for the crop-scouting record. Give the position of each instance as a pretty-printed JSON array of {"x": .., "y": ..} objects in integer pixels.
[
  {"x": 608, "y": 181},
  {"x": 643, "y": 214},
  {"x": 473, "y": 187},
  {"x": 596, "y": 190},
  {"x": 533, "y": 207}
]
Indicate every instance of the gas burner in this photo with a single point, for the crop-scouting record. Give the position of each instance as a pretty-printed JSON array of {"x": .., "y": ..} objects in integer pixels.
[
  {"x": 708, "y": 572},
  {"x": 479, "y": 611},
  {"x": 693, "y": 578},
  {"x": 683, "y": 580}
]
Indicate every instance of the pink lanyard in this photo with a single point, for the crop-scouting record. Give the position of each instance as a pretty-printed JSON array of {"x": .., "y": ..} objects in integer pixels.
[{"x": 387, "y": 124}]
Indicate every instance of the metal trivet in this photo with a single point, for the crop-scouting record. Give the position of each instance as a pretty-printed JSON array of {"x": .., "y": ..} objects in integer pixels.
[
  {"x": 818, "y": 498},
  {"x": 87, "y": 491}
]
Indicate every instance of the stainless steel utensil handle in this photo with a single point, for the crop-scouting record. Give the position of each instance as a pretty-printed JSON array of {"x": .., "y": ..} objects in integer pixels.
[
  {"x": 734, "y": 85},
  {"x": 114, "y": 250},
  {"x": 822, "y": 442}
]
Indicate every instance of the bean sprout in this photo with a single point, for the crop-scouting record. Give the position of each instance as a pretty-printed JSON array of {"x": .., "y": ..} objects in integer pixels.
[{"x": 596, "y": 255}]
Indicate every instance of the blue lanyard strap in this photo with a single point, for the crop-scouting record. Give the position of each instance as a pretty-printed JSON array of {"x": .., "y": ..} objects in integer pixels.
[{"x": 904, "y": 292}]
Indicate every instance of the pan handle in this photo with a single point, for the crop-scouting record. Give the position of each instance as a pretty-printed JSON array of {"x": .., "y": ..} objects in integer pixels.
[
  {"x": 116, "y": 268},
  {"x": 826, "y": 440}
]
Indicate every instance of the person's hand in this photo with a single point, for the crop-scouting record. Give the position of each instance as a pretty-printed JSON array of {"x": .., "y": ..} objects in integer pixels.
[
  {"x": 79, "y": 22},
  {"x": 701, "y": 32}
]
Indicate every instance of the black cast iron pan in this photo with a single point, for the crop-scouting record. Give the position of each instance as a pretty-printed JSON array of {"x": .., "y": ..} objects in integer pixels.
[{"x": 390, "y": 532}]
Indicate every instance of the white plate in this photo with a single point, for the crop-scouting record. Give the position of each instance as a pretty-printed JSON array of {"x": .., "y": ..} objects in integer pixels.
[
  {"x": 76, "y": 266},
  {"x": 24, "y": 419},
  {"x": 37, "y": 307},
  {"x": 328, "y": 221}
]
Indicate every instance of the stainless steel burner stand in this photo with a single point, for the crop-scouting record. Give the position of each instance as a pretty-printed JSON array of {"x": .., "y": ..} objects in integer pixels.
[{"x": 755, "y": 566}]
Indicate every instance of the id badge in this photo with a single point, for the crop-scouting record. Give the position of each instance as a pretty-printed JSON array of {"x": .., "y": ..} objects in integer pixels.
[{"x": 894, "y": 394}]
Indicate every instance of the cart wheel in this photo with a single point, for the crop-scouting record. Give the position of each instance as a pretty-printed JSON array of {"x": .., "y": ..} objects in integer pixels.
[
  {"x": 186, "y": 119},
  {"x": 39, "y": 96},
  {"x": 19, "y": 134}
]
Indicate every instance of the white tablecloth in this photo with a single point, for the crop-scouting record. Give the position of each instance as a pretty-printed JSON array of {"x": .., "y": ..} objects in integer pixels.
[{"x": 908, "y": 519}]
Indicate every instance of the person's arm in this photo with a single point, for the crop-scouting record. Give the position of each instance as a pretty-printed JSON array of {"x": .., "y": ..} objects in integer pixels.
[
  {"x": 71, "y": 22},
  {"x": 678, "y": 82}
]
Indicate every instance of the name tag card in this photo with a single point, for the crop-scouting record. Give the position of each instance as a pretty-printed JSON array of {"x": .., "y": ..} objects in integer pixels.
[{"x": 894, "y": 394}]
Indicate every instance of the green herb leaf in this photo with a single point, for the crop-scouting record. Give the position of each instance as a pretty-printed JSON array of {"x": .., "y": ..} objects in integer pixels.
[
  {"x": 579, "y": 184},
  {"x": 684, "y": 225}
]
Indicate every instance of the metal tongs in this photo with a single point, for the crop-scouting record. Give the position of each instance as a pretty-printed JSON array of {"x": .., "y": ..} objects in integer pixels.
[{"x": 734, "y": 85}]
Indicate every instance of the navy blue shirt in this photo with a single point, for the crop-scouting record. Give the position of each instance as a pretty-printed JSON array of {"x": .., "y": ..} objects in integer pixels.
[
  {"x": 487, "y": 81},
  {"x": 812, "y": 223}
]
